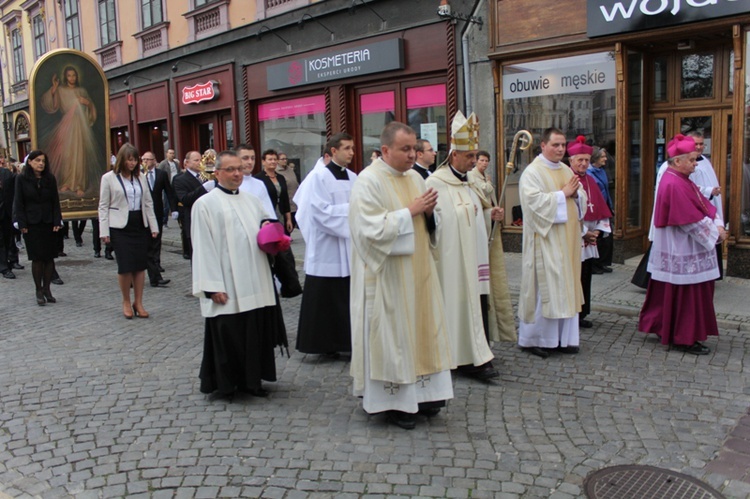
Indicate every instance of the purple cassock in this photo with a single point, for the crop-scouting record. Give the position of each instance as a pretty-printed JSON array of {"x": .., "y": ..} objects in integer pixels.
[{"x": 679, "y": 303}]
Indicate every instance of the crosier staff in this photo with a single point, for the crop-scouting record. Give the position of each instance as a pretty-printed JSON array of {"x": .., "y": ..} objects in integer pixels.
[{"x": 526, "y": 140}]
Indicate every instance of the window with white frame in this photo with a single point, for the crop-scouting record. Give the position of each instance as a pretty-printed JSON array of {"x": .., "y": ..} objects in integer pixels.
[
  {"x": 107, "y": 22},
  {"x": 72, "y": 24},
  {"x": 19, "y": 68},
  {"x": 151, "y": 13},
  {"x": 40, "y": 38}
]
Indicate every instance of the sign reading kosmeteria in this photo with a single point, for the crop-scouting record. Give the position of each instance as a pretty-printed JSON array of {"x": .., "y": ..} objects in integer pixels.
[
  {"x": 564, "y": 80},
  {"x": 608, "y": 17},
  {"x": 356, "y": 61}
]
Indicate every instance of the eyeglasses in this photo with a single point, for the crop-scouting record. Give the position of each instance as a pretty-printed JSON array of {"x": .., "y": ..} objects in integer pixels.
[
  {"x": 231, "y": 170},
  {"x": 149, "y": 159}
]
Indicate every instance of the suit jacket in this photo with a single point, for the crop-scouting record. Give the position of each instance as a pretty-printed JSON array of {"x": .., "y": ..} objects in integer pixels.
[
  {"x": 7, "y": 193},
  {"x": 161, "y": 186},
  {"x": 34, "y": 205},
  {"x": 187, "y": 190},
  {"x": 280, "y": 199},
  {"x": 164, "y": 166},
  {"x": 114, "y": 207}
]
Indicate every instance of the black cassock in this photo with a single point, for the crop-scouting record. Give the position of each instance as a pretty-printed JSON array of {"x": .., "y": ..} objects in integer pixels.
[{"x": 238, "y": 350}]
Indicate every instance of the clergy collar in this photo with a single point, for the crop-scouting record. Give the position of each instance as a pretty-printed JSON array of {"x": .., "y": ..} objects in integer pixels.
[
  {"x": 549, "y": 163},
  {"x": 227, "y": 191},
  {"x": 700, "y": 158},
  {"x": 460, "y": 176},
  {"x": 333, "y": 163},
  {"x": 417, "y": 165},
  {"x": 392, "y": 170}
]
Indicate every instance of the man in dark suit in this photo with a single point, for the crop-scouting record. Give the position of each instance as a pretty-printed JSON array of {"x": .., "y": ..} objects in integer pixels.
[
  {"x": 7, "y": 190},
  {"x": 188, "y": 187},
  {"x": 158, "y": 184},
  {"x": 425, "y": 158}
]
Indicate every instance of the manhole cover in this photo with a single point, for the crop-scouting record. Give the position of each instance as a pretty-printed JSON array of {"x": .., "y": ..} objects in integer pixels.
[{"x": 645, "y": 482}]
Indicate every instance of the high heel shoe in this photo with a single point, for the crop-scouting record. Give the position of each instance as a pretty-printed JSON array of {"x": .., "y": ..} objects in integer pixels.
[
  {"x": 127, "y": 310},
  {"x": 140, "y": 313},
  {"x": 48, "y": 296},
  {"x": 40, "y": 298}
]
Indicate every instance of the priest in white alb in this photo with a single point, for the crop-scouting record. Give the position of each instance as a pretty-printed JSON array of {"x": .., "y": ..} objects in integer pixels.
[
  {"x": 553, "y": 203},
  {"x": 401, "y": 357},
  {"x": 232, "y": 279}
]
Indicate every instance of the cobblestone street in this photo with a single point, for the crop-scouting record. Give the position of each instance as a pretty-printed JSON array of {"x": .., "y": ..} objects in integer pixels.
[{"x": 94, "y": 405}]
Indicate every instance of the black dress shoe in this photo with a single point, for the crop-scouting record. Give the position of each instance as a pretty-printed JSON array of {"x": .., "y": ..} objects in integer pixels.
[
  {"x": 17, "y": 266},
  {"x": 62, "y": 253},
  {"x": 569, "y": 349},
  {"x": 108, "y": 256},
  {"x": 161, "y": 269},
  {"x": 402, "y": 419},
  {"x": 79, "y": 244},
  {"x": 8, "y": 274},
  {"x": 57, "y": 280},
  {"x": 258, "y": 392},
  {"x": 694, "y": 349},
  {"x": 585, "y": 323},
  {"x": 186, "y": 256},
  {"x": 597, "y": 270},
  {"x": 539, "y": 352},
  {"x": 160, "y": 282},
  {"x": 97, "y": 254},
  {"x": 607, "y": 270},
  {"x": 430, "y": 412}
]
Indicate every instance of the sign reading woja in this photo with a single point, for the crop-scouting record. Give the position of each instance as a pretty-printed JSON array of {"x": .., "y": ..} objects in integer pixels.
[
  {"x": 608, "y": 17},
  {"x": 356, "y": 61}
]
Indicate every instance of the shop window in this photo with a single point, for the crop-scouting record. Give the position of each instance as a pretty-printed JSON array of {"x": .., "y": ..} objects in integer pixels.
[
  {"x": 745, "y": 193},
  {"x": 376, "y": 111},
  {"x": 551, "y": 93},
  {"x": 697, "y": 80},
  {"x": 296, "y": 127},
  {"x": 426, "y": 111},
  {"x": 660, "y": 79}
]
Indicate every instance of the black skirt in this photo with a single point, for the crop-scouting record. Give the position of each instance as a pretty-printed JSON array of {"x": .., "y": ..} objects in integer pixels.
[
  {"x": 41, "y": 242},
  {"x": 130, "y": 244},
  {"x": 324, "y": 319}
]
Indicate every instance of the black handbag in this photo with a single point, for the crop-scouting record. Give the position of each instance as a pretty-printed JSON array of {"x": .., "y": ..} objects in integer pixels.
[{"x": 642, "y": 276}]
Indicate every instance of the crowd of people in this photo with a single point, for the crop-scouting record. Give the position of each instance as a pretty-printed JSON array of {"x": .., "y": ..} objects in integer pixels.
[{"x": 402, "y": 274}]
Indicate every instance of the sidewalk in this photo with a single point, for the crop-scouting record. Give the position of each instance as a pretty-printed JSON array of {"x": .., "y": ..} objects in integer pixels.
[{"x": 612, "y": 293}]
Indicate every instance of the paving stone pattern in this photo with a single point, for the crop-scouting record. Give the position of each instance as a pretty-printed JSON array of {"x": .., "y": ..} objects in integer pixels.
[{"x": 94, "y": 405}]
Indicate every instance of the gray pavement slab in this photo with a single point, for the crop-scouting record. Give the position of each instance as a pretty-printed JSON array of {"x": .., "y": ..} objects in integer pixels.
[{"x": 94, "y": 405}]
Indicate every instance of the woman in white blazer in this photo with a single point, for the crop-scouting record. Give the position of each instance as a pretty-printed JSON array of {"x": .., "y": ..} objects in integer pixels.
[{"x": 126, "y": 216}]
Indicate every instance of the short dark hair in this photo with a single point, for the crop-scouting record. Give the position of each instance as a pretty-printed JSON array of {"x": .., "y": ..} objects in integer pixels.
[
  {"x": 248, "y": 147},
  {"x": 269, "y": 152},
  {"x": 549, "y": 132},
  {"x": 420, "y": 145},
  {"x": 28, "y": 171},
  {"x": 335, "y": 142},
  {"x": 224, "y": 154},
  {"x": 126, "y": 152},
  {"x": 485, "y": 154},
  {"x": 388, "y": 135}
]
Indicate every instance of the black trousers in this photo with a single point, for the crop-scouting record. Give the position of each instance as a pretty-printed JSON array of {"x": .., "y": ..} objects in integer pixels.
[
  {"x": 153, "y": 256},
  {"x": 78, "y": 227},
  {"x": 8, "y": 248},
  {"x": 605, "y": 246},
  {"x": 586, "y": 268},
  {"x": 285, "y": 270}
]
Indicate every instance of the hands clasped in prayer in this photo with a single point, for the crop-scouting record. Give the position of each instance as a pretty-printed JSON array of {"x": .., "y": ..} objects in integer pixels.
[
  {"x": 571, "y": 188},
  {"x": 424, "y": 204}
]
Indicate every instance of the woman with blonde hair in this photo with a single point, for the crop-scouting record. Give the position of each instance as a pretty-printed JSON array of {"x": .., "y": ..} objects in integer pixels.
[{"x": 126, "y": 216}]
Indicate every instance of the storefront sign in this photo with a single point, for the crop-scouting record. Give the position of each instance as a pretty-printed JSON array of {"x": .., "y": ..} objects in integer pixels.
[
  {"x": 561, "y": 80},
  {"x": 200, "y": 92},
  {"x": 345, "y": 63},
  {"x": 608, "y": 17}
]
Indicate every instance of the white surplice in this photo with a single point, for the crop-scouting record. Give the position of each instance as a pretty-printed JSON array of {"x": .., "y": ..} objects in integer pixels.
[{"x": 226, "y": 256}]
